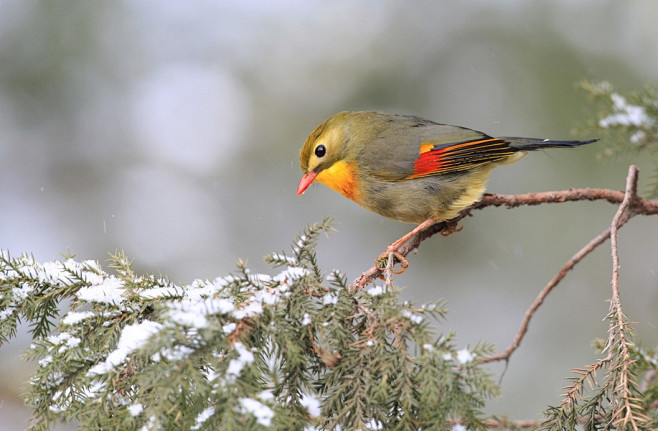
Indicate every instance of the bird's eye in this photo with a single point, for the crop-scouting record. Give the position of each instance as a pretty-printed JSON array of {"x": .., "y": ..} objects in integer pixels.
[{"x": 320, "y": 150}]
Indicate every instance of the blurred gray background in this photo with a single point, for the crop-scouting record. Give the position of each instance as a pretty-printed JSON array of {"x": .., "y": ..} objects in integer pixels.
[{"x": 171, "y": 130}]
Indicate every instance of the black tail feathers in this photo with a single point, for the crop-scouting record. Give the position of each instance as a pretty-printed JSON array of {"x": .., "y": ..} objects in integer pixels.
[{"x": 529, "y": 144}]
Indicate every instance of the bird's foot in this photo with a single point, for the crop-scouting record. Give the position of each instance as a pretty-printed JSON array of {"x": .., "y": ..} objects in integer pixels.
[
  {"x": 387, "y": 260},
  {"x": 451, "y": 226},
  {"x": 393, "y": 250}
]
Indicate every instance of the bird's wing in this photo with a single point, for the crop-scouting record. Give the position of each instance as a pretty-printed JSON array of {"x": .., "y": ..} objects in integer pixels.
[{"x": 435, "y": 149}]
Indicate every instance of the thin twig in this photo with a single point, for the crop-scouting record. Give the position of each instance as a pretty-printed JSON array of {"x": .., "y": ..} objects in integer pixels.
[
  {"x": 595, "y": 242},
  {"x": 615, "y": 302},
  {"x": 617, "y": 337},
  {"x": 621, "y": 217}
]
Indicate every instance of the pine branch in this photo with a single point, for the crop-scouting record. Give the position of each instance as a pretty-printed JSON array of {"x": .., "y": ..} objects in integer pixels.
[
  {"x": 628, "y": 123},
  {"x": 288, "y": 351}
]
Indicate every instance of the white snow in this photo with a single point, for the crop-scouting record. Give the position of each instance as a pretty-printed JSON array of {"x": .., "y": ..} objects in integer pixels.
[
  {"x": 266, "y": 395},
  {"x": 245, "y": 357},
  {"x": 374, "y": 425},
  {"x": 135, "y": 409},
  {"x": 311, "y": 404},
  {"x": 45, "y": 361},
  {"x": 193, "y": 313},
  {"x": 263, "y": 413},
  {"x": 94, "y": 389},
  {"x": 64, "y": 341},
  {"x": 22, "y": 292},
  {"x": 292, "y": 273},
  {"x": 637, "y": 137},
  {"x": 253, "y": 307},
  {"x": 299, "y": 243},
  {"x": 625, "y": 114},
  {"x": 6, "y": 313},
  {"x": 229, "y": 327},
  {"x": 376, "y": 290},
  {"x": 73, "y": 317},
  {"x": 464, "y": 356},
  {"x": 52, "y": 272},
  {"x": 57, "y": 406},
  {"x": 109, "y": 291},
  {"x": 61, "y": 272},
  {"x": 204, "y": 289},
  {"x": 290, "y": 260},
  {"x": 330, "y": 298},
  {"x": 202, "y": 417},
  {"x": 176, "y": 353},
  {"x": 415, "y": 318},
  {"x": 132, "y": 338},
  {"x": 161, "y": 292}
]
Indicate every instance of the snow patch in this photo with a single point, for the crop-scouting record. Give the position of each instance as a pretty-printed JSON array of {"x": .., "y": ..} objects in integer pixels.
[
  {"x": 261, "y": 412},
  {"x": 132, "y": 338}
]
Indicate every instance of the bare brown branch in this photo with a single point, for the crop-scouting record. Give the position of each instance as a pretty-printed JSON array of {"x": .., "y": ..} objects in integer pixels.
[
  {"x": 637, "y": 205},
  {"x": 587, "y": 249},
  {"x": 625, "y": 404},
  {"x": 621, "y": 217}
]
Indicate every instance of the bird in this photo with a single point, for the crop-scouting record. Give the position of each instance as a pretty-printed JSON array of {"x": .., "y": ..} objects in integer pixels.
[{"x": 407, "y": 168}]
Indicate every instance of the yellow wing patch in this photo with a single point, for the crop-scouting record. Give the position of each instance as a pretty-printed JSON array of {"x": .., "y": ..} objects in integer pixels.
[{"x": 425, "y": 147}]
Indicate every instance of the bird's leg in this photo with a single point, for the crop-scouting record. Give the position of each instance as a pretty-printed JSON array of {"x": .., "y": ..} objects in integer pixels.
[{"x": 393, "y": 247}]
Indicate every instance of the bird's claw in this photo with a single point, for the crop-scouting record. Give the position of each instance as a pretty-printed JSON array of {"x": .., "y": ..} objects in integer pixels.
[
  {"x": 451, "y": 227},
  {"x": 390, "y": 254}
]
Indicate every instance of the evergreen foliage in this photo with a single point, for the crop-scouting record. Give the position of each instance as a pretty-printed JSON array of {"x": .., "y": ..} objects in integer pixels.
[
  {"x": 615, "y": 402},
  {"x": 629, "y": 123},
  {"x": 293, "y": 350}
]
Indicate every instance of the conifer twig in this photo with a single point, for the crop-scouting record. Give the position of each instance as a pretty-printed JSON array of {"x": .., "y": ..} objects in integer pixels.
[{"x": 625, "y": 404}]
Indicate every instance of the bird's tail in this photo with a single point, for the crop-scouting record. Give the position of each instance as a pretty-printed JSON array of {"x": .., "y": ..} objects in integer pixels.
[{"x": 529, "y": 144}]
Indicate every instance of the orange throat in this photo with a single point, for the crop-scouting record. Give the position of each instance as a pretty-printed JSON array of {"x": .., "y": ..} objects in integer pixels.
[{"x": 341, "y": 176}]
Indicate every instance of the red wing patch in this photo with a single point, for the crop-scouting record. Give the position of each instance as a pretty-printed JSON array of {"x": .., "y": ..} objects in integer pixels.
[{"x": 459, "y": 157}]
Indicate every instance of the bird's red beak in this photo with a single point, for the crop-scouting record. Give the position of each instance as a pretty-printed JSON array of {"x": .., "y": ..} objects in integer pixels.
[{"x": 305, "y": 182}]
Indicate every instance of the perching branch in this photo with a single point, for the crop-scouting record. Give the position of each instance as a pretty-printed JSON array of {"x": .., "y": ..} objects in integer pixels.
[
  {"x": 637, "y": 206},
  {"x": 632, "y": 205}
]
